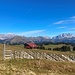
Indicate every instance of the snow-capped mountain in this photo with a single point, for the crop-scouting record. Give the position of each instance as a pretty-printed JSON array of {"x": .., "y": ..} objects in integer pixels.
[
  {"x": 12, "y": 38},
  {"x": 64, "y": 36},
  {"x": 6, "y": 36},
  {"x": 46, "y": 37}
]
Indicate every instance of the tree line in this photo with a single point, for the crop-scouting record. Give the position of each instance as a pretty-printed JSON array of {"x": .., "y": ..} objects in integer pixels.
[{"x": 63, "y": 48}]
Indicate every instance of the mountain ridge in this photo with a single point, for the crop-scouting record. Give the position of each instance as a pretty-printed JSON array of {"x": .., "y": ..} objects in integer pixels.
[
  {"x": 12, "y": 38},
  {"x": 64, "y": 35}
]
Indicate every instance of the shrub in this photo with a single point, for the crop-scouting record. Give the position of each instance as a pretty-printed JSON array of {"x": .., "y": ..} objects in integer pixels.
[
  {"x": 74, "y": 48},
  {"x": 49, "y": 49}
]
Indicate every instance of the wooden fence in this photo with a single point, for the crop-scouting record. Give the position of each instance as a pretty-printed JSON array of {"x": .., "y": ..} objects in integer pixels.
[{"x": 21, "y": 54}]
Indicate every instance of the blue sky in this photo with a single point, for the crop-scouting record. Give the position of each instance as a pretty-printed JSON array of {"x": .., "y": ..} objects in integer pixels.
[{"x": 37, "y": 17}]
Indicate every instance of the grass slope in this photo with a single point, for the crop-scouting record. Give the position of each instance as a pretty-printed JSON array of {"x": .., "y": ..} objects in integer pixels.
[
  {"x": 38, "y": 67},
  {"x": 35, "y": 67}
]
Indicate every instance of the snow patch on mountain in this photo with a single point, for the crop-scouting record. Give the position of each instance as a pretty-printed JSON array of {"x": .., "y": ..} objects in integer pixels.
[
  {"x": 6, "y": 36},
  {"x": 64, "y": 35}
]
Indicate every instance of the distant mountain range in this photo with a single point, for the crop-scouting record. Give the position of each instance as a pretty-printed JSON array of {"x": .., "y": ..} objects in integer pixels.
[
  {"x": 65, "y": 37},
  {"x": 6, "y": 36},
  {"x": 12, "y": 38}
]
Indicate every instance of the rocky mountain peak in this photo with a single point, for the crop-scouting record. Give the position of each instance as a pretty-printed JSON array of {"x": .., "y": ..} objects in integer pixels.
[{"x": 64, "y": 35}]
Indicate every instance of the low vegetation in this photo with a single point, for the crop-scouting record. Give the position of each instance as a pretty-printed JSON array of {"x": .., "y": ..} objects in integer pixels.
[
  {"x": 36, "y": 67},
  {"x": 57, "y": 47}
]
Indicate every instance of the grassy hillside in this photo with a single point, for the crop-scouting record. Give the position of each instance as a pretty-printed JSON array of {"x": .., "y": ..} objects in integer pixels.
[
  {"x": 35, "y": 67},
  {"x": 21, "y": 47},
  {"x": 55, "y": 46}
]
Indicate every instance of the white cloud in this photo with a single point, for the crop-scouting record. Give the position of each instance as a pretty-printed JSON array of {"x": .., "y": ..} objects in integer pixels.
[
  {"x": 73, "y": 17},
  {"x": 72, "y": 29},
  {"x": 67, "y": 21},
  {"x": 61, "y": 27},
  {"x": 31, "y": 32},
  {"x": 59, "y": 22}
]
